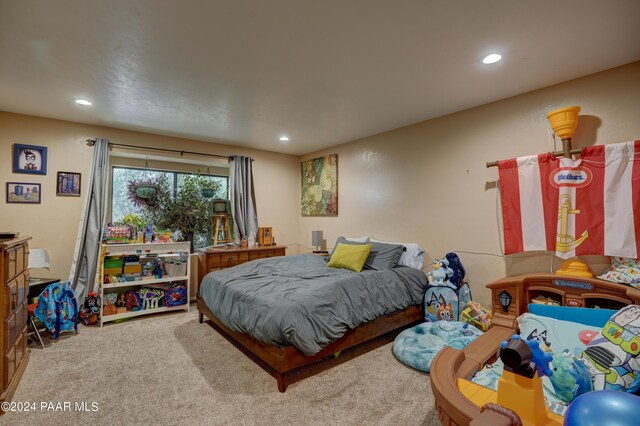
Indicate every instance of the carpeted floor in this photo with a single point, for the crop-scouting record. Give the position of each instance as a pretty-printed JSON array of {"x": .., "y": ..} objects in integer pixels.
[{"x": 168, "y": 369}]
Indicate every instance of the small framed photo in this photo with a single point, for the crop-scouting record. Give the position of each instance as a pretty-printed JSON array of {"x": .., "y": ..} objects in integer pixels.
[
  {"x": 30, "y": 159},
  {"x": 23, "y": 193},
  {"x": 68, "y": 184}
]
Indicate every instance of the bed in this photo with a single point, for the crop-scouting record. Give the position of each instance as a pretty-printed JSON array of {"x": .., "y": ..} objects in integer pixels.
[
  {"x": 288, "y": 312},
  {"x": 449, "y": 365}
]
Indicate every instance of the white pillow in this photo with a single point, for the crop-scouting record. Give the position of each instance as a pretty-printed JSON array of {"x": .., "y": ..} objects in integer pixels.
[
  {"x": 413, "y": 255},
  {"x": 358, "y": 240}
]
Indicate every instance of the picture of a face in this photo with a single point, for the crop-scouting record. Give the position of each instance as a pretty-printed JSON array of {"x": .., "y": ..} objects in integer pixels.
[{"x": 30, "y": 160}]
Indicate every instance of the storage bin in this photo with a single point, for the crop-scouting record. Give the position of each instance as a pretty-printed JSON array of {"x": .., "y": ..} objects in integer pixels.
[
  {"x": 113, "y": 262},
  {"x": 112, "y": 271},
  {"x": 175, "y": 268},
  {"x": 175, "y": 296}
]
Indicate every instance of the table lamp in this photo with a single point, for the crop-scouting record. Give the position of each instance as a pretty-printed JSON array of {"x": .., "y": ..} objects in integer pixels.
[{"x": 317, "y": 240}]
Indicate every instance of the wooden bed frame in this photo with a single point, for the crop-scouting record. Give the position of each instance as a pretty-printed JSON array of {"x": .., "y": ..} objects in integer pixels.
[
  {"x": 450, "y": 364},
  {"x": 280, "y": 362}
]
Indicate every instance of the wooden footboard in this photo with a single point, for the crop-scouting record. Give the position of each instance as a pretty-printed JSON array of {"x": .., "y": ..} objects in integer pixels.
[{"x": 281, "y": 361}]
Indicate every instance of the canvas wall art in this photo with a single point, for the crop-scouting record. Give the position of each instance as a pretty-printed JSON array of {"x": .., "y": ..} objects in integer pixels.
[
  {"x": 320, "y": 186},
  {"x": 23, "y": 193},
  {"x": 30, "y": 159}
]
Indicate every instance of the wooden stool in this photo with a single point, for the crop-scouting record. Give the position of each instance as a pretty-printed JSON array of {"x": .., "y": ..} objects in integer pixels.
[{"x": 221, "y": 228}]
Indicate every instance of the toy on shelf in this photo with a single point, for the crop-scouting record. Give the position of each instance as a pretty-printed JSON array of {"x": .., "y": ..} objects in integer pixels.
[
  {"x": 132, "y": 301},
  {"x": 109, "y": 309},
  {"x": 148, "y": 270},
  {"x": 477, "y": 316},
  {"x": 151, "y": 298},
  {"x": 111, "y": 298},
  {"x": 118, "y": 234},
  {"x": 158, "y": 267},
  {"x": 541, "y": 300},
  {"x": 148, "y": 233},
  {"x": 176, "y": 295}
]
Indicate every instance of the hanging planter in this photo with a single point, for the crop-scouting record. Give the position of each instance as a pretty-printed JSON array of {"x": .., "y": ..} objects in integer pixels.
[
  {"x": 208, "y": 192},
  {"x": 145, "y": 193}
]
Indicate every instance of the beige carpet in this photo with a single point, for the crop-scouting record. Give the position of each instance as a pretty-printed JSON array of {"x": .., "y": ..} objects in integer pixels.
[{"x": 169, "y": 369}]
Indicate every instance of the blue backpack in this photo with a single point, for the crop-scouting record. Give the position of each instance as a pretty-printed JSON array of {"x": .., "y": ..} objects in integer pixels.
[{"x": 57, "y": 308}]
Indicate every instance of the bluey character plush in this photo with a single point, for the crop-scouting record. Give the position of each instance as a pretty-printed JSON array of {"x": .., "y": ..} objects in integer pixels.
[{"x": 440, "y": 273}]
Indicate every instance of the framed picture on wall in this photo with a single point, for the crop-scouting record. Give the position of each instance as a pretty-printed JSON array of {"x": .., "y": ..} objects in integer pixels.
[
  {"x": 68, "y": 184},
  {"x": 320, "y": 186},
  {"x": 23, "y": 193},
  {"x": 30, "y": 159}
]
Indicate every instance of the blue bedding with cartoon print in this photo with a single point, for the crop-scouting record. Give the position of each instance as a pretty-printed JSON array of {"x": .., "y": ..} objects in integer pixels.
[{"x": 585, "y": 357}]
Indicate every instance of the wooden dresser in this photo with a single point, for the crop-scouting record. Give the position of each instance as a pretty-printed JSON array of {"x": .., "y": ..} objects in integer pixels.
[
  {"x": 14, "y": 276},
  {"x": 211, "y": 259}
]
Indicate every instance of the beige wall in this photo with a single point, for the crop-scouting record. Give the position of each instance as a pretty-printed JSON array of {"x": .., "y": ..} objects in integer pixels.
[
  {"x": 54, "y": 223},
  {"x": 428, "y": 183},
  {"x": 424, "y": 183}
]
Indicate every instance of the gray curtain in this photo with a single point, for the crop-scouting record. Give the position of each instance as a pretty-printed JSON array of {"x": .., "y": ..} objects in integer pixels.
[
  {"x": 243, "y": 199},
  {"x": 87, "y": 252}
]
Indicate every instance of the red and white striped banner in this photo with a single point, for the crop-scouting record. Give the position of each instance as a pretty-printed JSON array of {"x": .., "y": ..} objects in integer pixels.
[{"x": 573, "y": 207}]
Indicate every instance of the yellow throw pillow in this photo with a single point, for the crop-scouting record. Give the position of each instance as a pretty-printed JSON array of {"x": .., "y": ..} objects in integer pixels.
[{"x": 348, "y": 256}]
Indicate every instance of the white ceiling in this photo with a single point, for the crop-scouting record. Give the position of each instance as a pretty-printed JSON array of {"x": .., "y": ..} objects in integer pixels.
[{"x": 323, "y": 72}]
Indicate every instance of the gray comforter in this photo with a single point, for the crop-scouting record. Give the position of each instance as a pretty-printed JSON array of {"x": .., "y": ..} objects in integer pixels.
[{"x": 298, "y": 300}]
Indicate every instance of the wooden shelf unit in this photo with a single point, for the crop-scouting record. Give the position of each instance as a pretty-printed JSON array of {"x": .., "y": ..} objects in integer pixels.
[
  {"x": 569, "y": 291},
  {"x": 162, "y": 250}
]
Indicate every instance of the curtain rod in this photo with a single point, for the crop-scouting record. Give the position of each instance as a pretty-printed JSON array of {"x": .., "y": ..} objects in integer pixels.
[
  {"x": 92, "y": 142},
  {"x": 555, "y": 154}
]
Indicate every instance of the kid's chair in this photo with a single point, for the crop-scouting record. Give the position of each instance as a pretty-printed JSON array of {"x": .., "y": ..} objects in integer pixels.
[{"x": 31, "y": 308}]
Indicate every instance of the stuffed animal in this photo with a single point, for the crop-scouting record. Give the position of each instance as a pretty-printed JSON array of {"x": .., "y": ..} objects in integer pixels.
[
  {"x": 150, "y": 298},
  {"x": 90, "y": 312},
  {"x": 458, "y": 272},
  {"x": 440, "y": 273}
]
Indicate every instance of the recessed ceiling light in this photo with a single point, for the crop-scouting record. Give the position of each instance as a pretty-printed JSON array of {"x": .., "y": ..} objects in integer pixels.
[
  {"x": 83, "y": 102},
  {"x": 492, "y": 59},
  {"x": 284, "y": 138}
]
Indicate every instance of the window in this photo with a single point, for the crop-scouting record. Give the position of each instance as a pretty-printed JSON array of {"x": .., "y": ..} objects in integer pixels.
[{"x": 121, "y": 176}]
